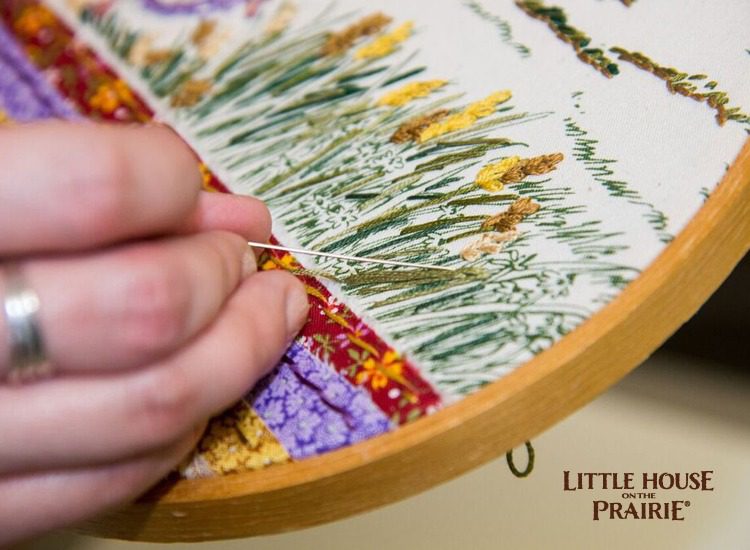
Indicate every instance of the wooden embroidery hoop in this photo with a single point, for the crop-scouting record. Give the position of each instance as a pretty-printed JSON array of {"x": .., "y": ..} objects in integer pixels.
[{"x": 475, "y": 430}]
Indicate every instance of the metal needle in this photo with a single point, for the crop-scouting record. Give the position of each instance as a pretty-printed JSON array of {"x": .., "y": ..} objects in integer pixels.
[{"x": 346, "y": 257}]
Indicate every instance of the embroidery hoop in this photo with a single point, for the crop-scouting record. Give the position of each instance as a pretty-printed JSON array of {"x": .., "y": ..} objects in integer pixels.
[{"x": 432, "y": 450}]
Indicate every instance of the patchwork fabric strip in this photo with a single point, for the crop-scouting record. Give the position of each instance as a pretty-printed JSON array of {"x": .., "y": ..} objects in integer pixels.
[
  {"x": 311, "y": 409},
  {"x": 337, "y": 336},
  {"x": 235, "y": 442},
  {"x": 24, "y": 93},
  {"x": 69, "y": 65},
  {"x": 195, "y": 6}
]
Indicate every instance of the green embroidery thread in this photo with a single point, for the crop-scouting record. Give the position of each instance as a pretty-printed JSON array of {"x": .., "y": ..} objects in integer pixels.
[
  {"x": 506, "y": 32},
  {"x": 584, "y": 151},
  {"x": 684, "y": 84},
  {"x": 557, "y": 20}
]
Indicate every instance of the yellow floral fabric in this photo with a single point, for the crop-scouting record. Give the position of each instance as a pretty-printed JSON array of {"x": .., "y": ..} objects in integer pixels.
[{"x": 239, "y": 441}]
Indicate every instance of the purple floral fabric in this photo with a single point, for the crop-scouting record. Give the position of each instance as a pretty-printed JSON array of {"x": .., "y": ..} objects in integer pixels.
[
  {"x": 311, "y": 408},
  {"x": 189, "y": 6},
  {"x": 24, "y": 93}
]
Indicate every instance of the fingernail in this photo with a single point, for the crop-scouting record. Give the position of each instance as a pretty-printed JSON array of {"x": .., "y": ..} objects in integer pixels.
[
  {"x": 296, "y": 309},
  {"x": 249, "y": 263}
]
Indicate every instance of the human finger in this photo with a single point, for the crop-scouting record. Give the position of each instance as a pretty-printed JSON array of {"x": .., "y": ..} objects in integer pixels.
[
  {"x": 106, "y": 417},
  {"x": 43, "y": 501},
  {"x": 246, "y": 216},
  {"x": 72, "y": 186},
  {"x": 134, "y": 304}
]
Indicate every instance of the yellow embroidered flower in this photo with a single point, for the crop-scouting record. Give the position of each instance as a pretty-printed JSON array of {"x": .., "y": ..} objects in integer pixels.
[
  {"x": 203, "y": 31},
  {"x": 487, "y": 106},
  {"x": 139, "y": 50},
  {"x": 494, "y": 177},
  {"x": 110, "y": 95},
  {"x": 282, "y": 18},
  {"x": 466, "y": 118},
  {"x": 410, "y": 92},
  {"x": 339, "y": 42},
  {"x": 79, "y": 5},
  {"x": 453, "y": 123},
  {"x": 4, "y": 117},
  {"x": 208, "y": 39},
  {"x": 385, "y": 44},
  {"x": 490, "y": 177},
  {"x": 379, "y": 372},
  {"x": 33, "y": 19},
  {"x": 191, "y": 92}
]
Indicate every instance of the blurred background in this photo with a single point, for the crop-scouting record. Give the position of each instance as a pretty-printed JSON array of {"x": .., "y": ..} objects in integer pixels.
[{"x": 685, "y": 409}]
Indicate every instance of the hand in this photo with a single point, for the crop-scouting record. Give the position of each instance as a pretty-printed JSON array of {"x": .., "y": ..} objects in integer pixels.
[{"x": 153, "y": 316}]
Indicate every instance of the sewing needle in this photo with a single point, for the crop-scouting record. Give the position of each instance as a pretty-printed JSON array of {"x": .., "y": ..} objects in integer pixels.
[{"x": 346, "y": 257}]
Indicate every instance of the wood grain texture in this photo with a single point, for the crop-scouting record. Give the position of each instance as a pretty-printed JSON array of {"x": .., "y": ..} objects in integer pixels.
[{"x": 480, "y": 427}]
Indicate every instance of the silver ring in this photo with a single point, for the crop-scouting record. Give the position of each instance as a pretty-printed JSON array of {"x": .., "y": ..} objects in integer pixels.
[{"x": 28, "y": 360}]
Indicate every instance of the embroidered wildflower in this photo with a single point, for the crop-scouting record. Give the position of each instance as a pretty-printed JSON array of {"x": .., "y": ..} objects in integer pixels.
[
  {"x": 466, "y": 118},
  {"x": 339, "y": 42},
  {"x": 508, "y": 219},
  {"x": 282, "y": 18},
  {"x": 191, "y": 92},
  {"x": 99, "y": 6},
  {"x": 490, "y": 177},
  {"x": 493, "y": 177},
  {"x": 203, "y": 32},
  {"x": 487, "y": 106},
  {"x": 542, "y": 164},
  {"x": 385, "y": 44},
  {"x": 412, "y": 128},
  {"x": 410, "y": 92},
  {"x": 489, "y": 243},
  {"x": 153, "y": 57},
  {"x": 557, "y": 20},
  {"x": 685, "y": 84},
  {"x": 139, "y": 50}
]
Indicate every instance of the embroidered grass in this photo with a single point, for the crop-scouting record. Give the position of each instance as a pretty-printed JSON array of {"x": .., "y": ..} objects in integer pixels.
[
  {"x": 584, "y": 150},
  {"x": 504, "y": 28},
  {"x": 685, "y": 84},
  {"x": 557, "y": 20},
  {"x": 358, "y": 150}
]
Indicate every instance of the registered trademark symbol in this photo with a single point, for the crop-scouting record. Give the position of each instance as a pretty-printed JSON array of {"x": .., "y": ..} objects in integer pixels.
[{"x": 687, "y": 503}]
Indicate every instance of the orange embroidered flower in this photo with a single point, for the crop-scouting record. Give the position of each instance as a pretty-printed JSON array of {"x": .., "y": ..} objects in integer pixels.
[
  {"x": 379, "y": 372},
  {"x": 33, "y": 19},
  {"x": 110, "y": 95}
]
